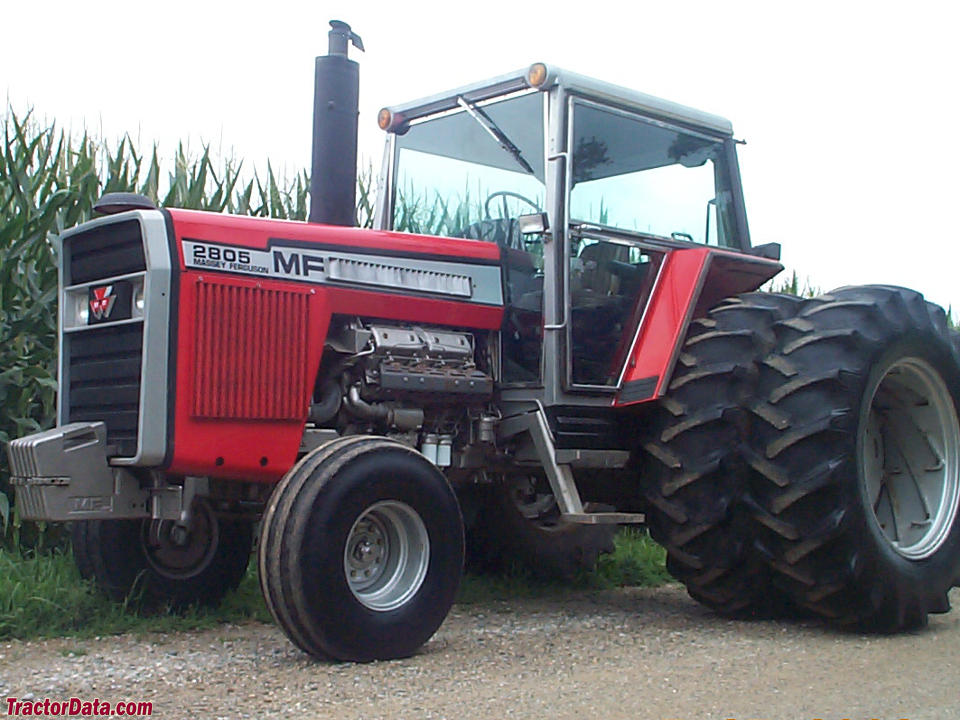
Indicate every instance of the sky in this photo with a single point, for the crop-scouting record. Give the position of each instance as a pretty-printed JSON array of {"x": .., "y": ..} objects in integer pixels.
[{"x": 848, "y": 109}]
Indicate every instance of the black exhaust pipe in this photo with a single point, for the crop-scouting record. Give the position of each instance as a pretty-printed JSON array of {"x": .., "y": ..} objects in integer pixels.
[{"x": 333, "y": 174}]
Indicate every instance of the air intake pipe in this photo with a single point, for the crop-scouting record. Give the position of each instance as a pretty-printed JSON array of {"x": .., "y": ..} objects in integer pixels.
[{"x": 333, "y": 173}]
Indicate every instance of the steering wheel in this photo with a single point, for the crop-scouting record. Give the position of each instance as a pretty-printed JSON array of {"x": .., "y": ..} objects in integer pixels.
[{"x": 507, "y": 194}]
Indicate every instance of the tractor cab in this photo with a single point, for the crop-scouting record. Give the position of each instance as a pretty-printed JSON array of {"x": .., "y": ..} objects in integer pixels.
[{"x": 588, "y": 189}]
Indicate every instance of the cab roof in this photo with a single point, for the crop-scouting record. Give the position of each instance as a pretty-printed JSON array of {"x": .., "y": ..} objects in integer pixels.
[{"x": 573, "y": 83}]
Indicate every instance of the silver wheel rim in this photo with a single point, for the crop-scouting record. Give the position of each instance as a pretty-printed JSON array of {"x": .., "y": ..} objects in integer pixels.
[
  {"x": 911, "y": 458},
  {"x": 386, "y": 556}
]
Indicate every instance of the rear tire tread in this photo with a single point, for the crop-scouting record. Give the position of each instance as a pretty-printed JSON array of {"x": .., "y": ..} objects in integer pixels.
[{"x": 693, "y": 472}]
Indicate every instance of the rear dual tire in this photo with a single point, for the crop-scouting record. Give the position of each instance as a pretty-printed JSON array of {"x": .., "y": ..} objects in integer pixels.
[
  {"x": 856, "y": 459},
  {"x": 693, "y": 475}
]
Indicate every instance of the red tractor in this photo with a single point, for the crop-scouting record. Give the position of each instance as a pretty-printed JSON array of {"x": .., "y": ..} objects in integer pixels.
[{"x": 553, "y": 329}]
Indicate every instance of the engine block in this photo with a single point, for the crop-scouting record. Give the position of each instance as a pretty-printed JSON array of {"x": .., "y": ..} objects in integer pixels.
[{"x": 419, "y": 359}]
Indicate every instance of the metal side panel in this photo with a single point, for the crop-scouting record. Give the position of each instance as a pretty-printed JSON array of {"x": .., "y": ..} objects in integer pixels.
[
  {"x": 658, "y": 339},
  {"x": 694, "y": 280}
]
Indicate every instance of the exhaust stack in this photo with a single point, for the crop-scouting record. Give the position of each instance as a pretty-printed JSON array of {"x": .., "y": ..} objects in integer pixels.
[{"x": 333, "y": 173}]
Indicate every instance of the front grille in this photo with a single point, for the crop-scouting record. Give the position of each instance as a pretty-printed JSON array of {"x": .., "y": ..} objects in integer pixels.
[
  {"x": 102, "y": 362},
  {"x": 104, "y": 381},
  {"x": 107, "y": 251}
]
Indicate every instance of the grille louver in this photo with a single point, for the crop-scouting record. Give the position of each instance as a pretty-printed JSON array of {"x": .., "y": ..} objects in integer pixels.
[
  {"x": 109, "y": 251},
  {"x": 251, "y": 353},
  {"x": 104, "y": 383}
]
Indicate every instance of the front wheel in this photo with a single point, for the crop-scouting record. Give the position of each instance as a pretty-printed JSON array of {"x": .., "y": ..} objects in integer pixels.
[
  {"x": 155, "y": 563},
  {"x": 361, "y": 550}
]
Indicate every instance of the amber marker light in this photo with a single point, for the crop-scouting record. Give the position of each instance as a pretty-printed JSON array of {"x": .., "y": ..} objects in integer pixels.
[
  {"x": 537, "y": 74},
  {"x": 384, "y": 117}
]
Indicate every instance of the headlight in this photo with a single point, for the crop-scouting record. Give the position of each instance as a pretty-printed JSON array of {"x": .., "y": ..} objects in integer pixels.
[{"x": 139, "y": 301}]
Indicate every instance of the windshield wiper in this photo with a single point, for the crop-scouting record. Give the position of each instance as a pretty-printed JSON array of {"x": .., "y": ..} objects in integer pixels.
[{"x": 496, "y": 133}]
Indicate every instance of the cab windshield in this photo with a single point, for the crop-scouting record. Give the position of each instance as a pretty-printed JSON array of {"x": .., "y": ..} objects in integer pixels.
[{"x": 471, "y": 172}]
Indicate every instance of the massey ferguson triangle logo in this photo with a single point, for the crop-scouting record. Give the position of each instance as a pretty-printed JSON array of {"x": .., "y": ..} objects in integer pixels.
[{"x": 102, "y": 301}]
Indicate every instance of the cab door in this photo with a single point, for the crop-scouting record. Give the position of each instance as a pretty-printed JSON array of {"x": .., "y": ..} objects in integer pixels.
[
  {"x": 610, "y": 284},
  {"x": 639, "y": 191}
]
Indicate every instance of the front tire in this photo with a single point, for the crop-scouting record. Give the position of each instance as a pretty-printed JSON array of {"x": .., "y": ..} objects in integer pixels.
[
  {"x": 145, "y": 562},
  {"x": 857, "y": 459},
  {"x": 361, "y": 550}
]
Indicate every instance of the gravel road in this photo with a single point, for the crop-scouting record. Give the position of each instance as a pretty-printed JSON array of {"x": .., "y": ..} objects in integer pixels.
[{"x": 648, "y": 654}]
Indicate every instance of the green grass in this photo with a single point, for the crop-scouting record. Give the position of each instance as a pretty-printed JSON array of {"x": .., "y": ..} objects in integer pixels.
[
  {"x": 43, "y": 595},
  {"x": 636, "y": 561}
]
